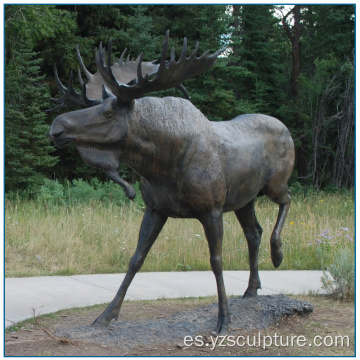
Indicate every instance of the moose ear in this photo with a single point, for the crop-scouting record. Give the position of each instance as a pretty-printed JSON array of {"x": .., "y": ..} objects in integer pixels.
[{"x": 106, "y": 93}]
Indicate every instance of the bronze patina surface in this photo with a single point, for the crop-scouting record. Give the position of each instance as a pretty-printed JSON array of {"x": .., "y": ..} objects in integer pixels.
[{"x": 189, "y": 167}]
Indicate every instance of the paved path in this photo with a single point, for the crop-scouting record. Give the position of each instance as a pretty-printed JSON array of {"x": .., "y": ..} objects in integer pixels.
[{"x": 52, "y": 293}]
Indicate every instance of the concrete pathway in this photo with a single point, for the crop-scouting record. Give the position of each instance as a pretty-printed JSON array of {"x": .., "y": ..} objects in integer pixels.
[{"x": 52, "y": 293}]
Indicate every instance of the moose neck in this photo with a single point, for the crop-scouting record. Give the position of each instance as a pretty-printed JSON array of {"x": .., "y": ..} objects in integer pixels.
[{"x": 159, "y": 134}]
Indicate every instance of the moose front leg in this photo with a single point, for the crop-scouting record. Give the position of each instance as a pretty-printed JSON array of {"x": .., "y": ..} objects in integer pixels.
[
  {"x": 129, "y": 190},
  {"x": 151, "y": 226},
  {"x": 213, "y": 226}
]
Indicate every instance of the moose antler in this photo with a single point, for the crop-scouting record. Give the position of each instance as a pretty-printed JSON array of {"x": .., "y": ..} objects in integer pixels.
[
  {"x": 91, "y": 94},
  {"x": 124, "y": 70},
  {"x": 170, "y": 74},
  {"x": 70, "y": 96},
  {"x": 131, "y": 79}
]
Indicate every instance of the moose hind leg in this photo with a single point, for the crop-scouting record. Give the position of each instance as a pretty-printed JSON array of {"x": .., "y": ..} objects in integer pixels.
[
  {"x": 213, "y": 226},
  {"x": 252, "y": 231},
  {"x": 151, "y": 226},
  {"x": 275, "y": 239}
]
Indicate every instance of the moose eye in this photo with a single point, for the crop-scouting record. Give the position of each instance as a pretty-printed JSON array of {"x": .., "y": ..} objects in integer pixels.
[{"x": 108, "y": 114}]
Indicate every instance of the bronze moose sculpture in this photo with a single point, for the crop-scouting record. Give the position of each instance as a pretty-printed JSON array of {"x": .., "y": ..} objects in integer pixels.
[{"x": 189, "y": 166}]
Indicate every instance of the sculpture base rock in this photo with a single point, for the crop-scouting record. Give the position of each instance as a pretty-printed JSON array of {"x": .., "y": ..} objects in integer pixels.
[{"x": 247, "y": 314}]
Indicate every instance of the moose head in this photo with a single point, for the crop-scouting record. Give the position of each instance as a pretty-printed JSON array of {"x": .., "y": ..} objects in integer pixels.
[
  {"x": 98, "y": 130},
  {"x": 189, "y": 167}
]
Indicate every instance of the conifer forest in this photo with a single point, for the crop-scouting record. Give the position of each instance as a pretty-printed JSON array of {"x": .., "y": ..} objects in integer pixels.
[{"x": 295, "y": 63}]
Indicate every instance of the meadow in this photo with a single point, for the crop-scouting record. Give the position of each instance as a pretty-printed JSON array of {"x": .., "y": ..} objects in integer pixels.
[{"x": 42, "y": 238}]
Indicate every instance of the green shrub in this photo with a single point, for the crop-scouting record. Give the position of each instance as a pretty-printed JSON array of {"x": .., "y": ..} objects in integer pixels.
[
  {"x": 51, "y": 192},
  {"x": 299, "y": 190},
  {"x": 339, "y": 278},
  {"x": 78, "y": 191},
  {"x": 81, "y": 192}
]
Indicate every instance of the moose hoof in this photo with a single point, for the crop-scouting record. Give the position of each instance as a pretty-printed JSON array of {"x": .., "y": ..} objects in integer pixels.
[
  {"x": 222, "y": 327},
  {"x": 130, "y": 193},
  {"x": 276, "y": 253},
  {"x": 222, "y": 330},
  {"x": 277, "y": 257},
  {"x": 100, "y": 323},
  {"x": 103, "y": 320},
  {"x": 250, "y": 292}
]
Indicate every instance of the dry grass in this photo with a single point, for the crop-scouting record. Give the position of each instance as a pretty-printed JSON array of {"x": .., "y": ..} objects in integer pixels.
[{"x": 99, "y": 238}]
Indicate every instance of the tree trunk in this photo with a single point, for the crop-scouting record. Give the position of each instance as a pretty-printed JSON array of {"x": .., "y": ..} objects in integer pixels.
[
  {"x": 343, "y": 167},
  {"x": 293, "y": 34}
]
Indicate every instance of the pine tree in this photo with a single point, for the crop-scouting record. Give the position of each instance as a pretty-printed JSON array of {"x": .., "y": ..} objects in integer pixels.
[
  {"x": 320, "y": 106},
  {"x": 27, "y": 150},
  {"x": 207, "y": 24},
  {"x": 255, "y": 60}
]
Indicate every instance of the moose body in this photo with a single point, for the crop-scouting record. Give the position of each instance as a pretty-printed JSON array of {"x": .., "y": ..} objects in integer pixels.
[{"x": 189, "y": 167}]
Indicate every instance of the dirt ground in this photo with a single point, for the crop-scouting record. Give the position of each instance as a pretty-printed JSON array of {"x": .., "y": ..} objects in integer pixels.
[{"x": 292, "y": 336}]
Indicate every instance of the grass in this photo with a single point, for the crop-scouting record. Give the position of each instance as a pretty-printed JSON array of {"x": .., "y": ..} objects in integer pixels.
[{"x": 101, "y": 238}]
